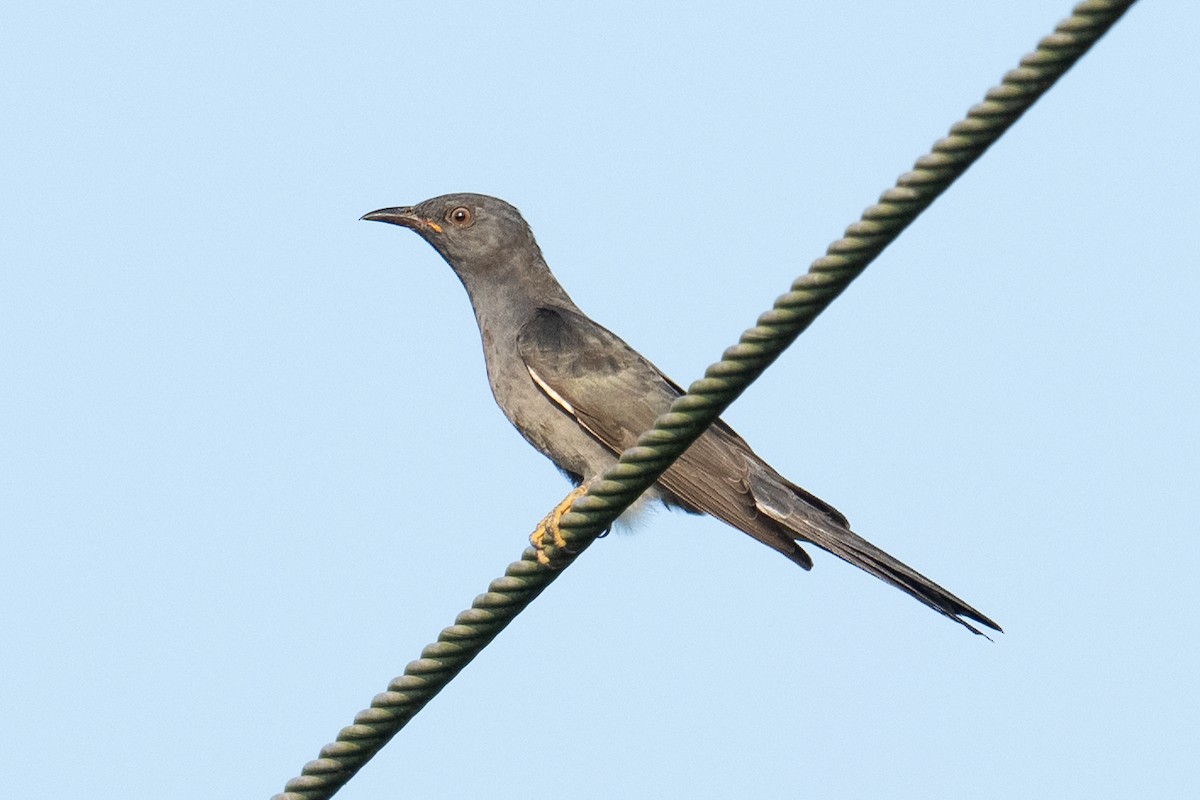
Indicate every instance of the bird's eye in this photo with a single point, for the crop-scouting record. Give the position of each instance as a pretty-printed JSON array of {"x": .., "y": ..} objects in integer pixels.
[{"x": 460, "y": 216}]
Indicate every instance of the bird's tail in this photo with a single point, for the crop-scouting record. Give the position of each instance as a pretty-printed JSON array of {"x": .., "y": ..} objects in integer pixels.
[{"x": 824, "y": 526}]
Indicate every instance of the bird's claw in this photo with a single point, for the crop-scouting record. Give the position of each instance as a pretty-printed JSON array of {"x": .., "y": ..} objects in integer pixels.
[{"x": 549, "y": 527}]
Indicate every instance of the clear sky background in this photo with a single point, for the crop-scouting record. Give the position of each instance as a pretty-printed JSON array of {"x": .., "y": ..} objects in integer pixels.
[{"x": 250, "y": 465}]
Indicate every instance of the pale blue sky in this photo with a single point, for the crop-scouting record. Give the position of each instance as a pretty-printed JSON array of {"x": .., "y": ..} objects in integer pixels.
[{"x": 249, "y": 464}]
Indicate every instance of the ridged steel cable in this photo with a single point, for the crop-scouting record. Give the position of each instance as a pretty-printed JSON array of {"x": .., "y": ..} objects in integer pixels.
[{"x": 691, "y": 414}]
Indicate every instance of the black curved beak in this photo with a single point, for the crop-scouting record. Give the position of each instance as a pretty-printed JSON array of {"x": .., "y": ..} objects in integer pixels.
[
  {"x": 404, "y": 216},
  {"x": 397, "y": 215}
]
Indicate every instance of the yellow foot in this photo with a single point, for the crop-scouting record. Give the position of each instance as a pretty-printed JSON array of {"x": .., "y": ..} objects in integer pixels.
[{"x": 549, "y": 526}]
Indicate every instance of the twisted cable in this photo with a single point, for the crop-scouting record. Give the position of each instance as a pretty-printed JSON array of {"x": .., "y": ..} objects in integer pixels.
[{"x": 640, "y": 466}]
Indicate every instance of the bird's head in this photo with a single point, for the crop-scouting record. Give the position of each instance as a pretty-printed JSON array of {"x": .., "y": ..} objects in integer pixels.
[{"x": 475, "y": 233}]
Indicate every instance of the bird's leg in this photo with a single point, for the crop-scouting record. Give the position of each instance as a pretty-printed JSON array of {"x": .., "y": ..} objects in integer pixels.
[{"x": 549, "y": 526}]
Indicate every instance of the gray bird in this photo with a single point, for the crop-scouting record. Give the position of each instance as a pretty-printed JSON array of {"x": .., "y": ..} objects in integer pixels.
[{"x": 581, "y": 396}]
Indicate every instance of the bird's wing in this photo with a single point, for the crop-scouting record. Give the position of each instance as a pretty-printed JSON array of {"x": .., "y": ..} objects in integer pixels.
[
  {"x": 615, "y": 394},
  {"x": 591, "y": 374}
]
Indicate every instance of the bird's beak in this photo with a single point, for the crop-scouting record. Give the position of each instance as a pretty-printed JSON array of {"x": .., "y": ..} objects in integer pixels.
[{"x": 404, "y": 216}]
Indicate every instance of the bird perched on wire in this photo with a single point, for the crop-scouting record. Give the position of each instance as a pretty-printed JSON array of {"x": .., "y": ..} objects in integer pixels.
[{"x": 581, "y": 396}]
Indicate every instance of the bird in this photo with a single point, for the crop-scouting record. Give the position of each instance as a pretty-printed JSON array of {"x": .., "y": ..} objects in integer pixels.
[{"x": 580, "y": 395}]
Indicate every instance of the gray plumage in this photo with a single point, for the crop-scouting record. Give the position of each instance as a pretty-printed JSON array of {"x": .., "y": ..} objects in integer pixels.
[{"x": 581, "y": 395}]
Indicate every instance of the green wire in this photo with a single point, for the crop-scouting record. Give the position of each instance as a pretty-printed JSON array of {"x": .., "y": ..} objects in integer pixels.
[{"x": 691, "y": 414}]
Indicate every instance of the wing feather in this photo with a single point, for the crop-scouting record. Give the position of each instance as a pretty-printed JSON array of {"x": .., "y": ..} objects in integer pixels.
[{"x": 615, "y": 394}]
